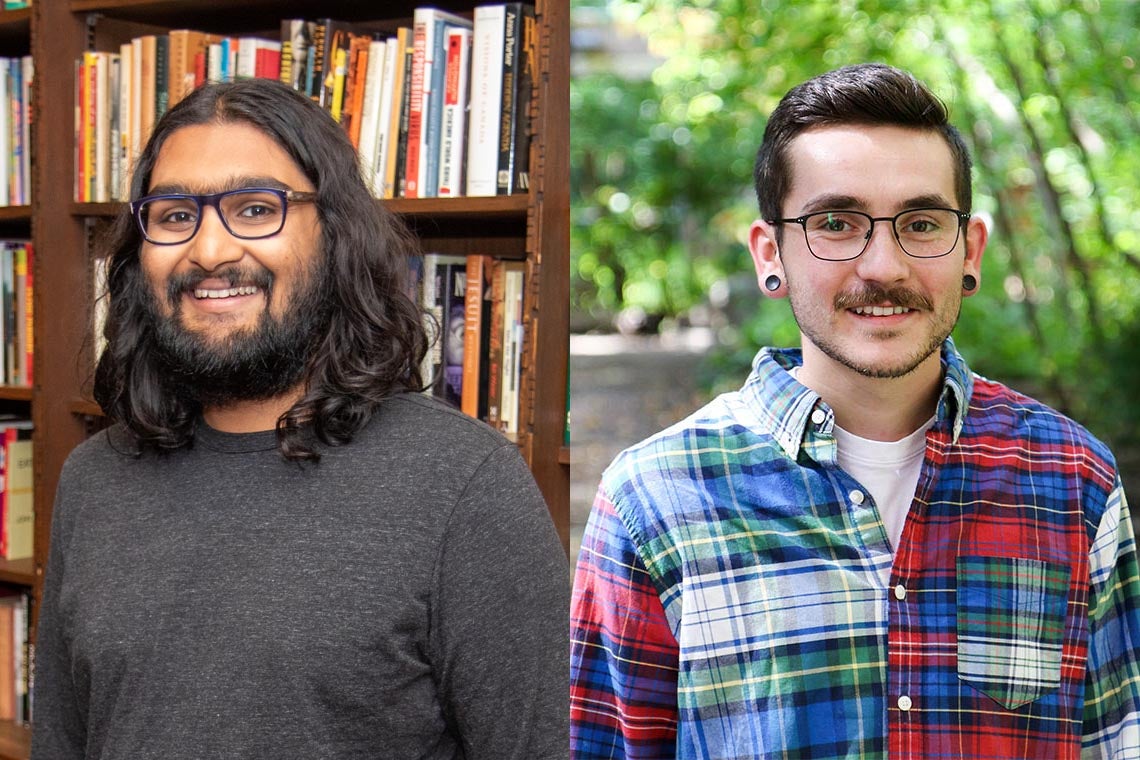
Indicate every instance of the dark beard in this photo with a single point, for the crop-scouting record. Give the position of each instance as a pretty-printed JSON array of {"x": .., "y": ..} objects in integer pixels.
[{"x": 254, "y": 364}]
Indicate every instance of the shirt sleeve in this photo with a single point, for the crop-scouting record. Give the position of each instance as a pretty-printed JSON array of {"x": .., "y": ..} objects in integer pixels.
[
  {"x": 60, "y": 726},
  {"x": 499, "y": 622},
  {"x": 1112, "y": 685},
  {"x": 623, "y": 654}
]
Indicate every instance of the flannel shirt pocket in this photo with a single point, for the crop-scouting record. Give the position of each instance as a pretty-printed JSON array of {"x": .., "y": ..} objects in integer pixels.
[{"x": 1011, "y": 620}]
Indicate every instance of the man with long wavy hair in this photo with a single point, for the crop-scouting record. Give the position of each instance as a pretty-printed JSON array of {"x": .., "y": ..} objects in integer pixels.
[{"x": 280, "y": 549}]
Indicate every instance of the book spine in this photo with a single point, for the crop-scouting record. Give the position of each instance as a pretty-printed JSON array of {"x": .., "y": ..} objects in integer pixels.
[
  {"x": 161, "y": 74},
  {"x": 474, "y": 317},
  {"x": 14, "y": 107},
  {"x": 102, "y": 139},
  {"x": 486, "y": 95},
  {"x": 454, "y": 113},
  {"x": 520, "y": 124},
  {"x": 512, "y": 349},
  {"x": 29, "y": 310},
  {"x": 454, "y": 306},
  {"x": 124, "y": 147},
  {"x": 508, "y": 113},
  {"x": 495, "y": 344},
  {"x": 420, "y": 24},
  {"x": 405, "y": 125},
  {"x": 372, "y": 85},
  {"x": 20, "y": 291},
  {"x": 115, "y": 84}
]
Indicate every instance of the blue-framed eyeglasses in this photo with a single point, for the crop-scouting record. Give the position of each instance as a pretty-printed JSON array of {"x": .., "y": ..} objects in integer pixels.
[{"x": 250, "y": 213}]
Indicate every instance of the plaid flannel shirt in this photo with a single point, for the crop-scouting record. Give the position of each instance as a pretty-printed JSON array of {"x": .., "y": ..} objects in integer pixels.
[{"x": 736, "y": 596}]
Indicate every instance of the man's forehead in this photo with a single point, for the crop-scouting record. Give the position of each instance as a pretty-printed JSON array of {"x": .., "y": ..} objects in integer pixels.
[{"x": 872, "y": 164}]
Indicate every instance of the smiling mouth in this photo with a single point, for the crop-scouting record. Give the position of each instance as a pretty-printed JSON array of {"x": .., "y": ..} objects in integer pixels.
[
  {"x": 881, "y": 311},
  {"x": 244, "y": 290}
]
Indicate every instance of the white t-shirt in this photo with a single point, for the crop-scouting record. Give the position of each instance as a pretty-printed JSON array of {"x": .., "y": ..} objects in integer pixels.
[{"x": 888, "y": 470}]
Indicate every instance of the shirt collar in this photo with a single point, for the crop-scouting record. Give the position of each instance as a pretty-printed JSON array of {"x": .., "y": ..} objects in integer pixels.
[{"x": 789, "y": 411}]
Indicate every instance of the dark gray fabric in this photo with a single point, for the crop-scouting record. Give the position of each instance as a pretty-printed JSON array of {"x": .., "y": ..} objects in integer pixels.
[{"x": 405, "y": 598}]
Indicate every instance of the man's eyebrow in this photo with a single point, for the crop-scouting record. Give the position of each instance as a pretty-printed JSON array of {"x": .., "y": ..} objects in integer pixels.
[
  {"x": 233, "y": 183},
  {"x": 834, "y": 202},
  {"x": 930, "y": 200}
]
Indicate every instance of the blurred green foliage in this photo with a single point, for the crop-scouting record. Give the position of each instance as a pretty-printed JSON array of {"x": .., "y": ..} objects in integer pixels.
[{"x": 1045, "y": 92}]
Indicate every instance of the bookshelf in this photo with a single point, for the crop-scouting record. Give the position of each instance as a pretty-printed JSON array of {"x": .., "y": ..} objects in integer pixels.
[{"x": 533, "y": 227}]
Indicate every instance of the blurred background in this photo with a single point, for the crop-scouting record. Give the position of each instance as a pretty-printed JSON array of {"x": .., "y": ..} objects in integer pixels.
[{"x": 668, "y": 104}]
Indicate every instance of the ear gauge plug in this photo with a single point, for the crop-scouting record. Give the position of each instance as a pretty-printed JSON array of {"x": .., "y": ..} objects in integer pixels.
[
  {"x": 772, "y": 282},
  {"x": 969, "y": 283}
]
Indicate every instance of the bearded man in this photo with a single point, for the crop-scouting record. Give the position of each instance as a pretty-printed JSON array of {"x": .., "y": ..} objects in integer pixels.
[{"x": 279, "y": 549}]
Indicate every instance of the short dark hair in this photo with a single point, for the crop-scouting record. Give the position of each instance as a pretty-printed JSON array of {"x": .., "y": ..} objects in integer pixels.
[
  {"x": 375, "y": 337},
  {"x": 866, "y": 94}
]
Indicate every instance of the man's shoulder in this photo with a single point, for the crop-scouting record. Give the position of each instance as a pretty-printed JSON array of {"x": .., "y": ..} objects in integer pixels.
[
  {"x": 1001, "y": 412},
  {"x": 678, "y": 455},
  {"x": 415, "y": 415}
]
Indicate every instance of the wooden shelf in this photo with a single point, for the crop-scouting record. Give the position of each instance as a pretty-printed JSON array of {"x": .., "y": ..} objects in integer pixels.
[
  {"x": 15, "y": 741},
  {"x": 15, "y": 30},
  {"x": 16, "y": 393},
  {"x": 21, "y": 572},
  {"x": 15, "y": 213},
  {"x": 564, "y": 455}
]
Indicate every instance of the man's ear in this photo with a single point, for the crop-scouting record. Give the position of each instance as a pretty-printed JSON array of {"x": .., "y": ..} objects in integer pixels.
[
  {"x": 976, "y": 236},
  {"x": 766, "y": 258}
]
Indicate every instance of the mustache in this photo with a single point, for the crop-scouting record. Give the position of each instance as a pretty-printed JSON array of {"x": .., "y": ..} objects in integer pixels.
[
  {"x": 873, "y": 294},
  {"x": 235, "y": 276}
]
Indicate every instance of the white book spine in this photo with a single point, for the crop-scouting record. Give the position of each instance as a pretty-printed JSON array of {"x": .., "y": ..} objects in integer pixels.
[
  {"x": 486, "y": 100},
  {"x": 384, "y": 132}
]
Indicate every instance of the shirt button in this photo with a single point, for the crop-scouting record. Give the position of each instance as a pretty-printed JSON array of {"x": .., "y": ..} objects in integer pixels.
[
  {"x": 818, "y": 416},
  {"x": 900, "y": 592},
  {"x": 856, "y": 497},
  {"x": 905, "y": 703}
]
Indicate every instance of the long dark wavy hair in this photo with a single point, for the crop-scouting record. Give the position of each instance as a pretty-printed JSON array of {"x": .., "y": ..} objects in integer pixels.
[{"x": 375, "y": 338}]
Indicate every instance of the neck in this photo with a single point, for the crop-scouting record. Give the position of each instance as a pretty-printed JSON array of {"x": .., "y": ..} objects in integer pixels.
[
  {"x": 880, "y": 409},
  {"x": 251, "y": 416}
]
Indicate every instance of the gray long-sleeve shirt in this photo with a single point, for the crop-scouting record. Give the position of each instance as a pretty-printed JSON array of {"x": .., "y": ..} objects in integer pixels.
[{"x": 407, "y": 597}]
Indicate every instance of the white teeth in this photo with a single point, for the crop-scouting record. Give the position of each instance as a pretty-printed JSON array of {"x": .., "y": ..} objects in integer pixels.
[
  {"x": 245, "y": 290},
  {"x": 880, "y": 311}
]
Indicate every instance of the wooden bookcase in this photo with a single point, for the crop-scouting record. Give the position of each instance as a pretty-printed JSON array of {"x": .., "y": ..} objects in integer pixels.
[{"x": 534, "y": 227}]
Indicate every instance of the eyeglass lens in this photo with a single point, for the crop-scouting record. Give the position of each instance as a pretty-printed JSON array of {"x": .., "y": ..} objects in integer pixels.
[
  {"x": 841, "y": 235},
  {"x": 245, "y": 213}
]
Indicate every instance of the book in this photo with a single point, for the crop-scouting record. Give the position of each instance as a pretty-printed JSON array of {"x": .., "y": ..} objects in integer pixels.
[
  {"x": 476, "y": 326},
  {"x": 434, "y": 300},
  {"x": 391, "y": 100},
  {"x": 368, "y": 121},
  {"x": 296, "y": 39},
  {"x": 495, "y": 343},
  {"x": 453, "y": 315},
  {"x": 354, "y": 86},
  {"x": 404, "y": 130},
  {"x": 146, "y": 52},
  {"x": 487, "y": 46},
  {"x": 161, "y": 74},
  {"x": 512, "y": 347},
  {"x": 511, "y": 175},
  {"x": 17, "y": 521},
  {"x": 127, "y": 138},
  {"x": 435, "y": 80},
  {"x": 454, "y": 118}
]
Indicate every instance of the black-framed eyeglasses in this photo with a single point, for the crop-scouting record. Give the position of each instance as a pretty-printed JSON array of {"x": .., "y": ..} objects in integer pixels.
[
  {"x": 250, "y": 213},
  {"x": 924, "y": 233}
]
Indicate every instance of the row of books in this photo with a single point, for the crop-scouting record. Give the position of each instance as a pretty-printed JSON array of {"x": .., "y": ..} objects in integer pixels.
[
  {"x": 473, "y": 309},
  {"x": 15, "y": 674},
  {"x": 438, "y": 109},
  {"x": 15, "y": 131},
  {"x": 16, "y": 263}
]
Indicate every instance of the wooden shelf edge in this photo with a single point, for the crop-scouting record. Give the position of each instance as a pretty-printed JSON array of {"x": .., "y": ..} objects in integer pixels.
[
  {"x": 564, "y": 455},
  {"x": 15, "y": 740},
  {"x": 16, "y": 392},
  {"x": 15, "y": 16},
  {"x": 21, "y": 572},
  {"x": 14, "y": 213}
]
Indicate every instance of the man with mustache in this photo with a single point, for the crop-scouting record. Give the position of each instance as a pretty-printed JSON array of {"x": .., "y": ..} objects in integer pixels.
[
  {"x": 867, "y": 551},
  {"x": 280, "y": 549}
]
